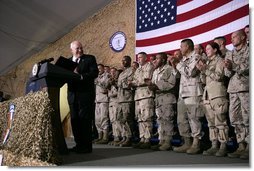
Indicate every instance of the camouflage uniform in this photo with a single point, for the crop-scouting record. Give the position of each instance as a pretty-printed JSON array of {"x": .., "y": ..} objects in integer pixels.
[
  {"x": 189, "y": 109},
  {"x": 125, "y": 100},
  {"x": 144, "y": 102},
  {"x": 216, "y": 106},
  {"x": 225, "y": 53},
  {"x": 190, "y": 93},
  {"x": 238, "y": 89},
  {"x": 113, "y": 104},
  {"x": 164, "y": 102},
  {"x": 102, "y": 105}
]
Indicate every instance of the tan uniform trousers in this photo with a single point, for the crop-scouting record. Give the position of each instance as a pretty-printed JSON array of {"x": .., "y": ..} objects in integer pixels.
[
  {"x": 123, "y": 116},
  {"x": 165, "y": 118},
  {"x": 116, "y": 127},
  {"x": 216, "y": 115},
  {"x": 144, "y": 111},
  {"x": 239, "y": 112},
  {"x": 101, "y": 117},
  {"x": 189, "y": 112}
]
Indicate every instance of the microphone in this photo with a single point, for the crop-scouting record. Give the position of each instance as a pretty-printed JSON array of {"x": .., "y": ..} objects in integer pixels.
[{"x": 46, "y": 60}]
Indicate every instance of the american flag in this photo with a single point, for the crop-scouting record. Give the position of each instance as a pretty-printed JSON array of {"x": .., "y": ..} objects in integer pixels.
[{"x": 162, "y": 24}]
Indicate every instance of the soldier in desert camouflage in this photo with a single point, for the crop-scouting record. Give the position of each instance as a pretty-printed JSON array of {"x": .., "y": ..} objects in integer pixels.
[
  {"x": 189, "y": 110},
  {"x": 102, "y": 105},
  {"x": 113, "y": 103},
  {"x": 162, "y": 84},
  {"x": 125, "y": 100},
  {"x": 215, "y": 100},
  {"x": 237, "y": 69},
  {"x": 144, "y": 100}
]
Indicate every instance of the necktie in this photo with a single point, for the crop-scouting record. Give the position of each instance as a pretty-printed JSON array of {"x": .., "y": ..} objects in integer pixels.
[{"x": 77, "y": 60}]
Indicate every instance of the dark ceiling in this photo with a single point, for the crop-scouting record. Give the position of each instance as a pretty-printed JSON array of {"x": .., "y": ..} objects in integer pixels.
[{"x": 27, "y": 26}]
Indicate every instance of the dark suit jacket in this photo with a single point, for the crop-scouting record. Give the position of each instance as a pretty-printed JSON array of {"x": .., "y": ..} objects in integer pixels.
[{"x": 84, "y": 87}]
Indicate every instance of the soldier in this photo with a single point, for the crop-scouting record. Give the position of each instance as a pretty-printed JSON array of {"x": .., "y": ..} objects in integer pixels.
[
  {"x": 247, "y": 32},
  {"x": 162, "y": 83},
  {"x": 135, "y": 131},
  {"x": 107, "y": 69},
  {"x": 144, "y": 102},
  {"x": 221, "y": 41},
  {"x": 113, "y": 103},
  {"x": 177, "y": 56},
  {"x": 125, "y": 100},
  {"x": 215, "y": 100},
  {"x": 152, "y": 60},
  {"x": 134, "y": 66},
  {"x": 237, "y": 68},
  {"x": 199, "y": 49},
  {"x": 188, "y": 107},
  {"x": 101, "y": 106},
  {"x": 169, "y": 58}
]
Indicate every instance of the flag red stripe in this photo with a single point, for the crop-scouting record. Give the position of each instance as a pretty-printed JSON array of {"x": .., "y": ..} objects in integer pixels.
[
  {"x": 201, "y": 10},
  {"x": 181, "y": 2},
  {"x": 227, "y": 37},
  {"x": 228, "y": 41},
  {"x": 234, "y": 15}
]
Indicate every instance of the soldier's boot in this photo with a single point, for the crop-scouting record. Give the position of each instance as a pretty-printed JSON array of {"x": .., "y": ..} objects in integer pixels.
[
  {"x": 116, "y": 139},
  {"x": 126, "y": 143},
  {"x": 185, "y": 146},
  {"x": 195, "y": 148},
  {"x": 222, "y": 151},
  {"x": 238, "y": 152},
  {"x": 156, "y": 147},
  {"x": 104, "y": 139},
  {"x": 211, "y": 151},
  {"x": 146, "y": 144},
  {"x": 99, "y": 137},
  {"x": 120, "y": 142},
  {"x": 166, "y": 145},
  {"x": 139, "y": 143},
  {"x": 110, "y": 142},
  {"x": 245, "y": 154}
]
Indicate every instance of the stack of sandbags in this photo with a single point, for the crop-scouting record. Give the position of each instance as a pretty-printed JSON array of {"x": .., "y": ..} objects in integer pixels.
[
  {"x": 31, "y": 134},
  {"x": 9, "y": 159}
]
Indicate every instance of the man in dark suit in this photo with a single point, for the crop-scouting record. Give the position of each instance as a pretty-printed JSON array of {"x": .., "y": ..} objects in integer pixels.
[{"x": 81, "y": 96}]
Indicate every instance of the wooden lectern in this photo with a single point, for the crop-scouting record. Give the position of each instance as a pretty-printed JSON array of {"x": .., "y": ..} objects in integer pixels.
[{"x": 53, "y": 78}]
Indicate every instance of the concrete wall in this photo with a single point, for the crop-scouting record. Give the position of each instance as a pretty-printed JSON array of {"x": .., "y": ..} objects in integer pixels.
[{"x": 94, "y": 33}]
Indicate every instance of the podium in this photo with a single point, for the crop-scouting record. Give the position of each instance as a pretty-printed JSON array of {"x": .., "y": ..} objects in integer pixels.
[{"x": 52, "y": 78}]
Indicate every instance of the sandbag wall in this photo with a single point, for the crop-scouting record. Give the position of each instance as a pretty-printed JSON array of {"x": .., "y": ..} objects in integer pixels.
[{"x": 30, "y": 141}]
